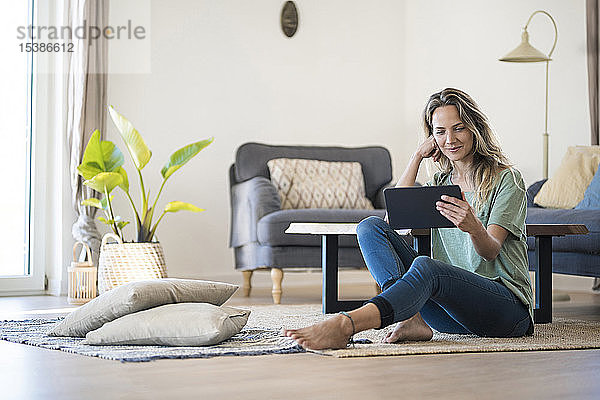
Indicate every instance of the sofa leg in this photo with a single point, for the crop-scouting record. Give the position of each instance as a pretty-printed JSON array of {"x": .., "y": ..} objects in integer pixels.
[
  {"x": 247, "y": 285},
  {"x": 276, "y": 278}
]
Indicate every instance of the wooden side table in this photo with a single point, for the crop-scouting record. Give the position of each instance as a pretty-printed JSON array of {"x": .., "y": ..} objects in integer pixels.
[{"x": 330, "y": 233}]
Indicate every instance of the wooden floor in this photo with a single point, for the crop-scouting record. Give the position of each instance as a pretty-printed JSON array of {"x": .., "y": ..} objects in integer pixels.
[{"x": 28, "y": 372}]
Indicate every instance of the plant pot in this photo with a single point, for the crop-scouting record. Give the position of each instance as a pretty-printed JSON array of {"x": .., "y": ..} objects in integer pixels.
[{"x": 121, "y": 263}]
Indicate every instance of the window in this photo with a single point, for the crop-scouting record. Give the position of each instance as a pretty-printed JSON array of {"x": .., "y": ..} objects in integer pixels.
[{"x": 15, "y": 145}]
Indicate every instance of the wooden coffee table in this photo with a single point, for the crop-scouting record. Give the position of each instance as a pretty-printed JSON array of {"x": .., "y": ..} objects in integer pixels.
[{"x": 330, "y": 233}]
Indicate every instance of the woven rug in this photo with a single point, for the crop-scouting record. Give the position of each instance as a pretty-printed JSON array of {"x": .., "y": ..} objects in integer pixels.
[
  {"x": 262, "y": 336},
  {"x": 561, "y": 334}
]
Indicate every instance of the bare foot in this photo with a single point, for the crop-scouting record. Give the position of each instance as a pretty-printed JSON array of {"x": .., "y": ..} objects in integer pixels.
[
  {"x": 333, "y": 333},
  {"x": 414, "y": 328}
]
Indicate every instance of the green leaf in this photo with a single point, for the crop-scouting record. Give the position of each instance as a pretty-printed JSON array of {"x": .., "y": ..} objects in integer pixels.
[
  {"x": 104, "y": 182},
  {"x": 175, "y": 206},
  {"x": 134, "y": 141},
  {"x": 182, "y": 156},
  {"x": 146, "y": 226},
  {"x": 117, "y": 220},
  {"x": 92, "y": 202},
  {"x": 122, "y": 224},
  {"x": 104, "y": 203},
  {"x": 106, "y": 221},
  {"x": 89, "y": 170},
  {"x": 125, "y": 184},
  {"x": 99, "y": 156},
  {"x": 92, "y": 155},
  {"x": 112, "y": 156}
]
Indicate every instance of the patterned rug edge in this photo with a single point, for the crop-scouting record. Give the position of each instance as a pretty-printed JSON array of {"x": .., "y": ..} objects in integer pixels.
[
  {"x": 68, "y": 346},
  {"x": 290, "y": 350}
]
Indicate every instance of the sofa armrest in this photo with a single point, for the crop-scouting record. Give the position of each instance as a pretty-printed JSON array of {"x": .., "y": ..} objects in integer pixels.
[
  {"x": 250, "y": 201},
  {"x": 532, "y": 191},
  {"x": 379, "y": 200}
]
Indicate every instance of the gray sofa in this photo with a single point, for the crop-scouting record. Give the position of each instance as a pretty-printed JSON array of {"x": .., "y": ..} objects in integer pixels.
[
  {"x": 573, "y": 254},
  {"x": 258, "y": 222}
]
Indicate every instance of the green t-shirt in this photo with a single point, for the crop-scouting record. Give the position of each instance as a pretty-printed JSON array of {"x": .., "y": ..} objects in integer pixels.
[{"x": 506, "y": 207}]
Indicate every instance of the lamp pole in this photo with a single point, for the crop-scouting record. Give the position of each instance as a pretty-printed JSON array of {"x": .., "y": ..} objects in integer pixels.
[
  {"x": 546, "y": 133},
  {"x": 526, "y": 53}
]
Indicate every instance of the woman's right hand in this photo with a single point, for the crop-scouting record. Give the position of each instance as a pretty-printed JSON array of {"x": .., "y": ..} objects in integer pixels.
[
  {"x": 425, "y": 150},
  {"x": 428, "y": 149}
]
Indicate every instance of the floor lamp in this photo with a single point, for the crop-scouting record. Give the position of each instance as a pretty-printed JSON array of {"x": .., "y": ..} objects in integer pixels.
[{"x": 526, "y": 53}]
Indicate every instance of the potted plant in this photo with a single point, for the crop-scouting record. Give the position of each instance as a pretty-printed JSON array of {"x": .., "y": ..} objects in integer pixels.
[{"x": 102, "y": 170}]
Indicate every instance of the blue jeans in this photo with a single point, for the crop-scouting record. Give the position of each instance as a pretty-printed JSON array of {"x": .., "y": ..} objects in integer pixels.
[{"x": 450, "y": 299}]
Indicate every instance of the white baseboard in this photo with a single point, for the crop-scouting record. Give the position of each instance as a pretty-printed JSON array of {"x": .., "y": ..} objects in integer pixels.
[
  {"x": 294, "y": 278},
  {"x": 262, "y": 278},
  {"x": 54, "y": 287},
  {"x": 22, "y": 293},
  {"x": 572, "y": 283}
]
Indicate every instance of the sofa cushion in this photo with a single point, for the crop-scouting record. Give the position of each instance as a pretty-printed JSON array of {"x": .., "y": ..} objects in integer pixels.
[
  {"x": 251, "y": 160},
  {"x": 532, "y": 191},
  {"x": 589, "y": 243},
  {"x": 253, "y": 256},
  {"x": 271, "y": 227},
  {"x": 566, "y": 187},
  {"x": 591, "y": 197},
  {"x": 570, "y": 263},
  {"x": 319, "y": 184}
]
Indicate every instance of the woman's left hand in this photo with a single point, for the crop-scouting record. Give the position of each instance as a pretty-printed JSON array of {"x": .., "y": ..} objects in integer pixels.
[{"x": 460, "y": 213}]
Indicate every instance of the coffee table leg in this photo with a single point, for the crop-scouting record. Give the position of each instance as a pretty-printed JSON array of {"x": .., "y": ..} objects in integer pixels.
[
  {"x": 543, "y": 279},
  {"x": 422, "y": 244},
  {"x": 329, "y": 260}
]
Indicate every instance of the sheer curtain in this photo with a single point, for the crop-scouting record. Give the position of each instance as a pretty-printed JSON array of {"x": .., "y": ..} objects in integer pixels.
[{"x": 86, "y": 107}]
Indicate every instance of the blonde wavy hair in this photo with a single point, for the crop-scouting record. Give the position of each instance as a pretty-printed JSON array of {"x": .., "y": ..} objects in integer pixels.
[{"x": 488, "y": 159}]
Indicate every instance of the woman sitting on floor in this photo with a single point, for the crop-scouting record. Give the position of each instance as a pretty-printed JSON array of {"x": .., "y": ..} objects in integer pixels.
[{"x": 477, "y": 281}]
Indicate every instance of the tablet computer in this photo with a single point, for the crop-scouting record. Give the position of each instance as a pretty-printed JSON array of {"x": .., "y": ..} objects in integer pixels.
[{"x": 414, "y": 207}]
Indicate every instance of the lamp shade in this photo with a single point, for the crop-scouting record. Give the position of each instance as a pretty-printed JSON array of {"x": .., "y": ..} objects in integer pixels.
[{"x": 525, "y": 52}]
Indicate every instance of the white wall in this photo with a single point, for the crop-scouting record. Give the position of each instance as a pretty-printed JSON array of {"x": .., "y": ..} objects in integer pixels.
[
  {"x": 458, "y": 44},
  {"x": 225, "y": 69},
  {"x": 356, "y": 73}
]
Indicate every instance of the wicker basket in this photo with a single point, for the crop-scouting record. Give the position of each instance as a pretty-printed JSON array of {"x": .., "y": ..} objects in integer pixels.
[
  {"x": 82, "y": 278},
  {"x": 121, "y": 263}
]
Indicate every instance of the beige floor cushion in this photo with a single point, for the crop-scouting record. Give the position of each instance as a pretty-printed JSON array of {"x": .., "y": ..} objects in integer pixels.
[
  {"x": 183, "y": 324},
  {"x": 138, "y": 296},
  {"x": 565, "y": 189}
]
